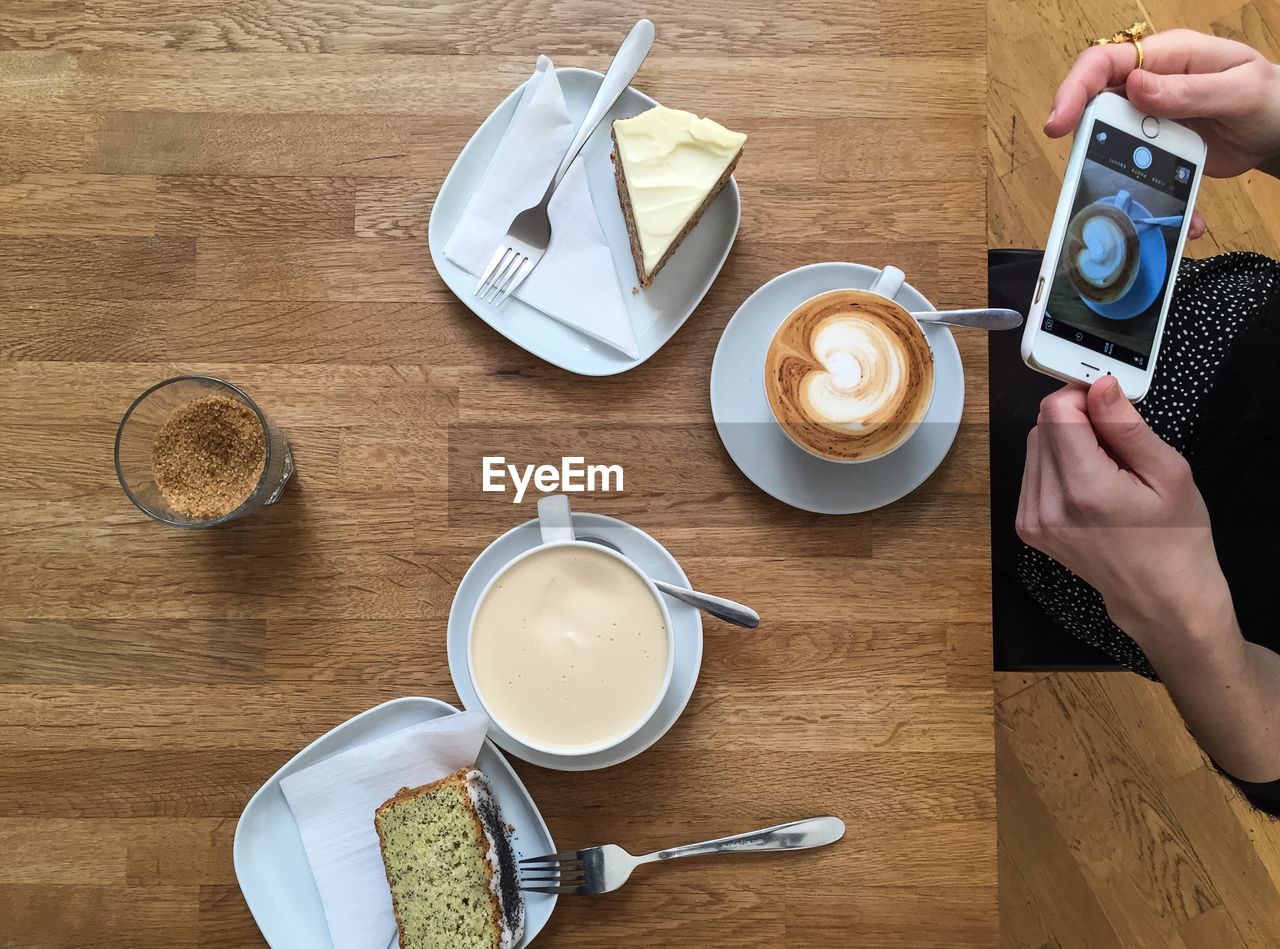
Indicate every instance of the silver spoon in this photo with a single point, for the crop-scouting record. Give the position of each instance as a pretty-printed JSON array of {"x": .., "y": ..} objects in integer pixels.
[
  {"x": 717, "y": 606},
  {"x": 995, "y": 319}
]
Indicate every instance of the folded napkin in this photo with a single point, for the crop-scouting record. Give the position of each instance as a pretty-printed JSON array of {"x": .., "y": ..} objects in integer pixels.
[
  {"x": 333, "y": 803},
  {"x": 576, "y": 282}
]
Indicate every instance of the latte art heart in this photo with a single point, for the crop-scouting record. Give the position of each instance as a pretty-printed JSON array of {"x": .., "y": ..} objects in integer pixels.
[
  {"x": 1101, "y": 259},
  {"x": 1101, "y": 252},
  {"x": 863, "y": 365},
  {"x": 849, "y": 375}
]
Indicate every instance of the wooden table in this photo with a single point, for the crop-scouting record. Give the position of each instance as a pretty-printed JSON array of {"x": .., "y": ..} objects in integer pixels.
[{"x": 244, "y": 190}]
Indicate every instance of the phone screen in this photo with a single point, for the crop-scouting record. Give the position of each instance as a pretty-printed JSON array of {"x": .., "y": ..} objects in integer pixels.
[{"x": 1118, "y": 252}]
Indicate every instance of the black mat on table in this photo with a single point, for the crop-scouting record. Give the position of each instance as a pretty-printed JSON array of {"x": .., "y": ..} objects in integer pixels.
[{"x": 1026, "y": 639}]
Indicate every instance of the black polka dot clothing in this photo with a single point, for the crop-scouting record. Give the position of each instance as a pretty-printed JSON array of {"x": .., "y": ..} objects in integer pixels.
[{"x": 1217, "y": 304}]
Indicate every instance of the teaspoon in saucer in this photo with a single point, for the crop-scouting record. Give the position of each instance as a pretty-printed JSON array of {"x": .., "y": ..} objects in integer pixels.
[
  {"x": 717, "y": 606},
  {"x": 982, "y": 319}
]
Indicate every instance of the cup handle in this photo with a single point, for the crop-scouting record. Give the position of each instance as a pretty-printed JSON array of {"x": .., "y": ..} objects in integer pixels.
[
  {"x": 888, "y": 282},
  {"x": 1123, "y": 199},
  {"x": 555, "y": 520}
]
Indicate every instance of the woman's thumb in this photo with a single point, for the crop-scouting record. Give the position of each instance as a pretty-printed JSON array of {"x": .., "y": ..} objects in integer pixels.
[{"x": 1122, "y": 430}]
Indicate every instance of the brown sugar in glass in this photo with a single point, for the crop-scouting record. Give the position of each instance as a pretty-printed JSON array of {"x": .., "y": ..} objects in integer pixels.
[{"x": 195, "y": 451}]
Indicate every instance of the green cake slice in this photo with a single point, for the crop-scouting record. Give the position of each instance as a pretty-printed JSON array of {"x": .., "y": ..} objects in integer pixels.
[{"x": 451, "y": 866}]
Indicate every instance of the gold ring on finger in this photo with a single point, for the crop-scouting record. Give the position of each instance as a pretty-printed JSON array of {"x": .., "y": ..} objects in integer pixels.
[{"x": 1132, "y": 35}]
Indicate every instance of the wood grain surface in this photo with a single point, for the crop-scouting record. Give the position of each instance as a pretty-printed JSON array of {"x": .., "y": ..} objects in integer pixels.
[
  {"x": 1032, "y": 46},
  {"x": 1115, "y": 830},
  {"x": 243, "y": 189}
]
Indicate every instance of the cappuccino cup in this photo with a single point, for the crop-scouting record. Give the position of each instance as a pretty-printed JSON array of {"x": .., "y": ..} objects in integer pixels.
[
  {"x": 849, "y": 373},
  {"x": 570, "y": 646},
  {"x": 1101, "y": 252}
]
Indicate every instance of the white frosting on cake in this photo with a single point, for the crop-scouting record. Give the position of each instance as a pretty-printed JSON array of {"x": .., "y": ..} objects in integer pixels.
[
  {"x": 482, "y": 799},
  {"x": 672, "y": 161}
]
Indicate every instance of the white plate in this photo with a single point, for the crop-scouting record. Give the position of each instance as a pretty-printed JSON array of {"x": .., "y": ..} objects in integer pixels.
[
  {"x": 646, "y": 553},
  {"x": 271, "y": 863},
  {"x": 657, "y": 312},
  {"x": 771, "y": 460}
]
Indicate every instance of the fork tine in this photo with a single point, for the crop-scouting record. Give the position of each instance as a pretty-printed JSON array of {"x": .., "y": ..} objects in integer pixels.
[
  {"x": 557, "y": 890},
  {"x": 577, "y": 880},
  {"x": 501, "y": 282},
  {"x": 526, "y": 872},
  {"x": 568, "y": 855},
  {"x": 531, "y": 868},
  {"x": 526, "y": 266},
  {"x": 498, "y": 281},
  {"x": 498, "y": 255},
  {"x": 509, "y": 265},
  {"x": 529, "y": 871}
]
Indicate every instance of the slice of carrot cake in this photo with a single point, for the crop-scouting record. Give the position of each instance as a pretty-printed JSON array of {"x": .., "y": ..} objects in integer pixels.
[{"x": 669, "y": 166}]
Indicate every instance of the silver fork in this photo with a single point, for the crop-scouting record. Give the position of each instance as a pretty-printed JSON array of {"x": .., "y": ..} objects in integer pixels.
[
  {"x": 603, "y": 869},
  {"x": 530, "y": 231}
]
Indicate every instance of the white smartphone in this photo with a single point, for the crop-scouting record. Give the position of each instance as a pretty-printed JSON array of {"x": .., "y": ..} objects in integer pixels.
[{"x": 1109, "y": 265}]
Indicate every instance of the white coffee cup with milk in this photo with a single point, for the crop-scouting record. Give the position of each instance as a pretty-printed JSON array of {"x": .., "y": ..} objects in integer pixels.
[{"x": 570, "y": 646}]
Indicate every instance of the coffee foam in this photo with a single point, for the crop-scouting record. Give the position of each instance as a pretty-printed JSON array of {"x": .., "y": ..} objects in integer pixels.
[
  {"x": 1101, "y": 260},
  {"x": 849, "y": 375},
  {"x": 569, "y": 620},
  {"x": 1101, "y": 254}
]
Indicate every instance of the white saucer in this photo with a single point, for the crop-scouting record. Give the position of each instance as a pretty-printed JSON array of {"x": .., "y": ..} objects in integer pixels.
[
  {"x": 656, "y": 312},
  {"x": 771, "y": 460},
  {"x": 651, "y": 557},
  {"x": 271, "y": 864}
]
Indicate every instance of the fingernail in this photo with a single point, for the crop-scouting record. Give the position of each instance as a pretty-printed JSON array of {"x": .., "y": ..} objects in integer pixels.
[
  {"x": 1052, "y": 113},
  {"x": 1111, "y": 391}
]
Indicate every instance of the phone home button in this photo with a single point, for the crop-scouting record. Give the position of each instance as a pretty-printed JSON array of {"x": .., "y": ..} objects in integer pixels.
[{"x": 1150, "y": 126}]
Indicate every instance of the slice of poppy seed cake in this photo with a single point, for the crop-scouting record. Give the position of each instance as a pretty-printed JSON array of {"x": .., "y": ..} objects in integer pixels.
[{"x": 451, "y": 867}]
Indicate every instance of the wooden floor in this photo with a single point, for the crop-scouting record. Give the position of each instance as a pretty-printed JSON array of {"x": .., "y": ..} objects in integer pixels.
[{"x": 1114, "y": 831}]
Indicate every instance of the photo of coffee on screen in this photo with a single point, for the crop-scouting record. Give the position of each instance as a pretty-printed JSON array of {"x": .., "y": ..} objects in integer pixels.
[
  {"x": 1101, "y": 252},
  {"x": 1119, "y": 251}
]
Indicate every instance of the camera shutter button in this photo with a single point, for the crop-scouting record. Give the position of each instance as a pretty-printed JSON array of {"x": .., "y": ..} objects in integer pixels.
[{"x": 1150, "y": 126}]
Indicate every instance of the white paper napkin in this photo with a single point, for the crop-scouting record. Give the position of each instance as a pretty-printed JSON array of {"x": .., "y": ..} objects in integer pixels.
[
  {"x": 333, "y": 803},
  {"x": 576, "y": 282}
]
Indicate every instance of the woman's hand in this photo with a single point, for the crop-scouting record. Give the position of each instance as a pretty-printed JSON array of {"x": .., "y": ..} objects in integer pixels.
[
  {"x": 1115, "y": 505},
  {"x": 1110, "y": 501},
  {"x": 1226, "y": 91}
]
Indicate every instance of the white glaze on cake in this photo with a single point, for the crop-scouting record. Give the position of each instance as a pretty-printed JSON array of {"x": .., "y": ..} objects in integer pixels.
[
  {"x": 673, "y": 161},
  {"x": 504, "y": 881}
]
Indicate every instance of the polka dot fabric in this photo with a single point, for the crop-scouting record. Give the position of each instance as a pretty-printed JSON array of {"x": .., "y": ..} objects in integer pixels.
[{"x": 1213, "y": 302}]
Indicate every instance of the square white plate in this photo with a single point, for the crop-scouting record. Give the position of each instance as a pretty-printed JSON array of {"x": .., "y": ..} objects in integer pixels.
[
  {"x": 656, "y": 312},
  {"x": 271, "y": 863}
]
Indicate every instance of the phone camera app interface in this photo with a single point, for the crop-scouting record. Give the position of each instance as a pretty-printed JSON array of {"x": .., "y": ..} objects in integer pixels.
[{"x": 1118, "y": 252}]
